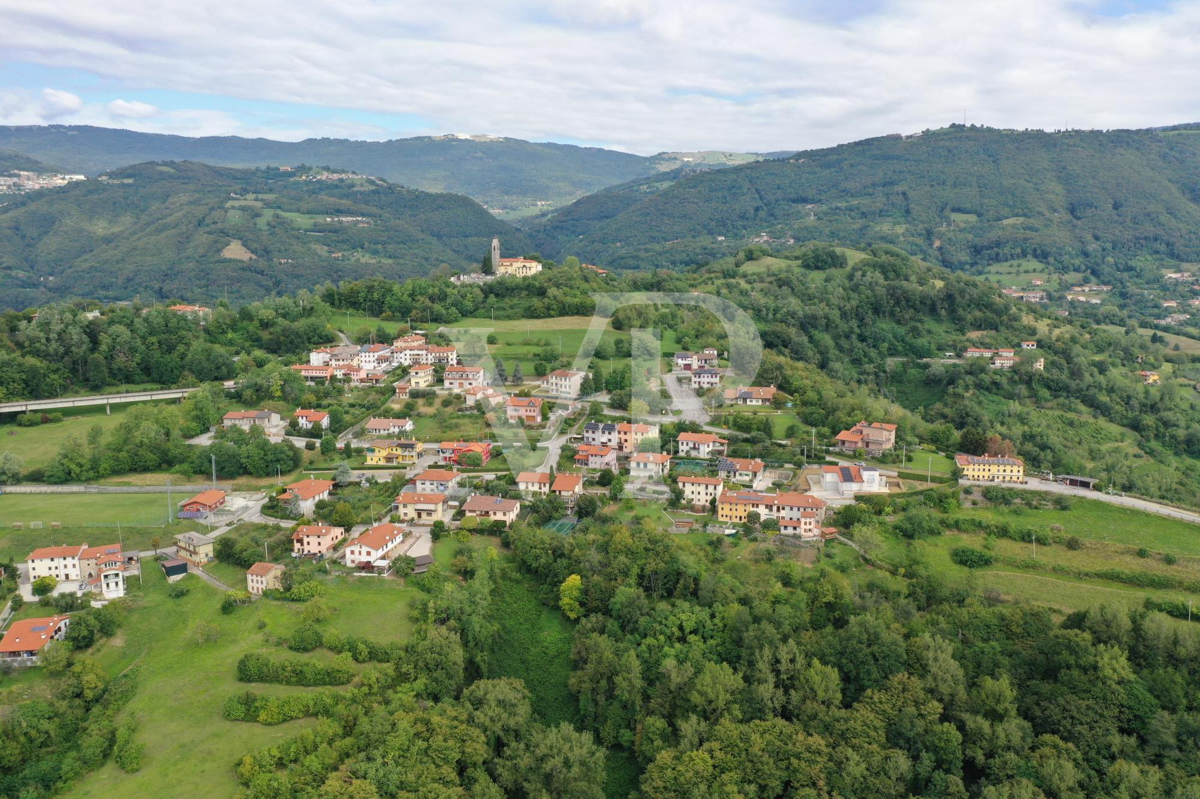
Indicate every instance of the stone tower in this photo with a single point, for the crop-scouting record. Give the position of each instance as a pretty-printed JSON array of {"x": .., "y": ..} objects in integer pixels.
[{"x": 496, "y": 254}]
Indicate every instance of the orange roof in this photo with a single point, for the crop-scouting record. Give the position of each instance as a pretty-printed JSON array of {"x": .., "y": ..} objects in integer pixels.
[
  {"x": 474, "y": 370},
  {"x": 307, "y": 489},
  {"x": 313, "y": 416},
  {"x": 483, "y": 502},
  {"x": 413, "y": 498},
  {"x": 465, "y": 446},
  {"x": 705, "y": 481},
  {"x": 421, "y": 367},
  {"x": 744, "y": 464},
  {"x": 30, "y": 635},
  {"x": 566, "y": 482},
  {"x": 379, "y": 536},
  {"x": 564, "y": 373},
  {"x": 524, "y": 402},
  {"x": 792, "y": 499},
  {"x": 701, "y": 438},
  {"x": 91, "y": 553},
  {"x": 264, "y": 569},
  {"x": 650, "y": 457},
  {"x": 437, "y": 475},
  {"x": 210, "y": 497},
  {"x": 321, "y": 530},
  {"x": 533, "y": 477},
  {"x": 56, "y": 552}
]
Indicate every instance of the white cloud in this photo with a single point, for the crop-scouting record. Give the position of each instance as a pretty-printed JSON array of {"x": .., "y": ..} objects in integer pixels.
[
  {"x": 131, "y": 109},
  {"x": 57, "y": 104},
  {"x": 640, "y": 75}
]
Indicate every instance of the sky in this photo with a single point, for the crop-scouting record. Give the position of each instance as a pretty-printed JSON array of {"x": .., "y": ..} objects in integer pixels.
[{"x": 641, "y": 76}]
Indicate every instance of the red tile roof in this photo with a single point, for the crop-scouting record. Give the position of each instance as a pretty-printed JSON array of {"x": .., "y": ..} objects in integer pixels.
[{"x": 30, "y": 635}]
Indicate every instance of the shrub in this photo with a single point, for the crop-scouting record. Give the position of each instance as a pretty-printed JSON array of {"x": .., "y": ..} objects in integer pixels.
[
  {"x": 1143, "y": 552},
  {"x": 305, "y": 639},
  {"x": 970, "y": 557},
  {"x": 1170, "y": 559},
  {"x": 178, "y": 591},
  {"x": 255, "y": 667},
  {"x": 127, "y": 752},
  {"x": 1073, "y": 542}
]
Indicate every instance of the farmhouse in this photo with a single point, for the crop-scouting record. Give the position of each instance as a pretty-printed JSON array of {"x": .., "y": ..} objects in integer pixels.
[
  {"x": 700, "y": 445},
  {"x": 990, "y": 469},
  {"x": 306, "y": 494},
  {"x": 26, "y": 638},
  {"x": 482, "y": 506},
  {"x": 524, "y": 409},
  {"x": 375, "y": 548},
  {"x": 204, "y": 502},
  {"x": 420, "y": 508},
  {"x": 316, "y": 540},
  {"x": 194, "y": 547},
  {"x": 706, "y": 378},
  {"x": 99, "y": 568},
  {"x": 460, "y": 378},
  {"x": 867, "y": 436},
  {"x": 314, "y": 374},
  {"x": 380, "y": 426},
  {"x": 755, "y": 395},
  {"x": 248, "y": 419},
  {"x": 736, "y": 506},
  {"x": 264, "y": 576}
]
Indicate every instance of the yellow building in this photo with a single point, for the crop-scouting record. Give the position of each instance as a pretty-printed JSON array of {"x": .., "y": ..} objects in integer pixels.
[
  {"x": 990, "y": 469},
  {"x": 421, "y": 376},
  {"x": 735, "y": 506},
  {"x": 390, "y": 452}
]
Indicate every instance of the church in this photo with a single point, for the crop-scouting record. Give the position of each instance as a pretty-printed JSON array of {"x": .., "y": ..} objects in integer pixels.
[{"x": 512, "y": 267}]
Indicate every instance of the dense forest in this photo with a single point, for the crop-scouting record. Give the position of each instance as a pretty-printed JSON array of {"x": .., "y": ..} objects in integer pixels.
[
  {"x": 200, "y": 232},
  {"x": 501, "y": 172},
  {"x": 963, "y": 197}
]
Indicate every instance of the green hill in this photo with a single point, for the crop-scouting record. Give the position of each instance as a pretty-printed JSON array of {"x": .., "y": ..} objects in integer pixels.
[
  {"x": 961, "y": 197},
  {"x": 191, "y": 230},
  {"x": 11, "y": 161},
  {"x": 504, "y": 174}
]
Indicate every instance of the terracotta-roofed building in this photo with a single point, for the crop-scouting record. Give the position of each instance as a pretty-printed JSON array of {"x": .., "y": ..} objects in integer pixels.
[
  {"x": 567, "y": 487},
  {"x": 460, "y": 378},
  {"x": 452, "y": 451},
  {"x": 736, "y": 506},
  {"x": 701, "y": 445},
  {"x": 437, "y": 481},
  {"x": 316, "y": 540},
  {"x": 388, "y": 427},
  {"x": 482, "y": 394},
  {"x": 26, "y": 638},
  {"x": 592, "y": 456},
  {"x": 314, "y": 373},
  {"x": 419, "y": 508},
  {"x": 699, "y": 492},
  {"x": 533, "y": 483},
  {"x": 524, "y": 409},
  {"x": 374, "y": 549},
  {"x": 264, "y": 576},
  {"x": 392, "y": 452},
  {"x": 307, "y": 493},
  {"x": 849, "y": 480},
  {"x": 867, "y": 436},
  {"x": 794, "y": 505},
  {"x": 990, "y": 469},
  {"x": 305, "y": 419},
  {"x": 248, "y": 419},
  {"x": 204, "y": 502},
  {"x": 488, "y": 508},
  {"x": 631, "y": 434},
  {"x": 421, "y": 376},
  {"x": 740, "y": 470},
  {"x": 564, "y": 383},
  {"x": 645, "y": 465},
  {"x": 754, "y": 395}
]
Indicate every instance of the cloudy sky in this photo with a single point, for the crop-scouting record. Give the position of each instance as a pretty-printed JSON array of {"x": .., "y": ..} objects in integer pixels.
[{"x": 636, "y": 75}]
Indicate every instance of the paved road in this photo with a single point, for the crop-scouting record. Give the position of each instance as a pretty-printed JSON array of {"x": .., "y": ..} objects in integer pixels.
[
  {"x": 101, "y": 399},
  {"x": 685, "y": 400},
  {"x": 1036, "y": 484}
]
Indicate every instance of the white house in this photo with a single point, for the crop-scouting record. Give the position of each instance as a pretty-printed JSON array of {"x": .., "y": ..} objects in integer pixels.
[
  {"x": 529, "y": 483},
  {"x": 700, "y": 445},
  {"x": 740, "y": 470},
  {"x": 563, "y": 383},
  {"x": 375, "y": 548},
  {"x": 706, "y": 378},
  {"x": 389, "y": 427},
  {"x": 305, "y": 419},
  {"x": 850, "y": 480},
  {"x": 699, "y": 492},
  {"x": 646, "y": 465},
  {"x": 437, "y": 481},
  {"x": 461, "y": 378},
  {"x": 488, "y": 508},
  {"x": 601, "y": 434}
]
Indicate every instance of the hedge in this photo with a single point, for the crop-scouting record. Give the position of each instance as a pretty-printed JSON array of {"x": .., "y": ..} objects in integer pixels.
[
  {"x": 362, "y": 650},
  {"x": 255, "y": 667},
  {"x": 971, "y": 557},
  {"x": 250, "y": 706}
]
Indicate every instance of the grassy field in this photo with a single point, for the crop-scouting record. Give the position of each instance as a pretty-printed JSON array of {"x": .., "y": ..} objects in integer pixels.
[
  {"x": 1101, "y": 521},
  {"x": 352, "y": 324},
  {"x": 37, "y": 446},
  {"x": 184, "y": 684},
  {"x": 1185, "y": 344}
]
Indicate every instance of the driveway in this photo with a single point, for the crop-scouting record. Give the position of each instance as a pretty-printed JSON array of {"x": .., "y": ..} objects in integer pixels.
[
  {"x": 684, "y": 399},
  {"x": 1037, "y": 484}
]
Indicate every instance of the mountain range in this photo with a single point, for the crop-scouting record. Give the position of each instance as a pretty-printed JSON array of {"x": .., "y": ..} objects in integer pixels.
[
  {"x": 962, "y": 197},
  {"x": 196, "y": 231},
  {"x": 506, "y": 175}
]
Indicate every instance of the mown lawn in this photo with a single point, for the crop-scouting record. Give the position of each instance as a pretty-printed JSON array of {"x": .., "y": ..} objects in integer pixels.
[
  {"x": 74, "y": 510},
  {"x": 1101, "y": 521},
  {"x": 37, "y": 446},
  {"x": 184, "y": 684}
]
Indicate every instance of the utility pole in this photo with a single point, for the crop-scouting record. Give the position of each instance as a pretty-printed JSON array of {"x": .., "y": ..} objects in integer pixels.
[
  {"x": 214, "y": 467},
  {"x": 928, "y": 469},
  {"x": 168, "y": 502}
]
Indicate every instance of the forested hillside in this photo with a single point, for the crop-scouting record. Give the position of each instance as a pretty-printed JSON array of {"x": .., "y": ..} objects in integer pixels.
[
  {"x": 10, "y": 161},
  {"x": 502, "y": 173},
  {"x": 194, "y": 231},
  {"x": 962, "y": 197}
]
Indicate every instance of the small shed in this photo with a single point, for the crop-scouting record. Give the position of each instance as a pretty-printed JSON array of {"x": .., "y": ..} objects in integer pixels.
[
  {"x": 1075, "y": 481},
  {"x": 422, "y": 563},
  {"x": 175, "y": 569}
]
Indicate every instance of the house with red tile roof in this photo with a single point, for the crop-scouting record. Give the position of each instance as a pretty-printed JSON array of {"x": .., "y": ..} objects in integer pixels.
[
  {"x": 305, "y": 419},
  {"x": 316, "y": 540},
  {"x": 307, "y": 493},
  {"x": 867, "y": 436},
  {"x": 701, "y": 445},
  {"x": 204, "y": 502},
  {"x": 263, "y": 577},
  {"x": 567, "y": 487},
  {"x": 524, "y": 409},
  {"x": 699, "y": 492},
  {"x": 595, "y": 456},
  {"x": 529, "y": 483},
  {"x": 375, "y": 548},
  {"x": 27, "y": 638},
  {"x": 491, "y": 509}
]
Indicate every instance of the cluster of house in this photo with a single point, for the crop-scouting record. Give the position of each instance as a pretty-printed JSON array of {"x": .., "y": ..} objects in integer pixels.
[
  {"x": 1174, "y": 319},
  {"x": 20, "y": 180},
  {"x": 369, "y": 364},
  {"x": 1005, "y": 357},
  {"x": 799, "y": 515},
  {"x": 990, "y": 468},
  {"x": 753, "y": 395},
  {"x": 198, "y": 312},
  {"x": 701, "y": 366},
  {"x": 83, "y": 569},
  {"x": 1026, "y": 296},
  {"x": 1149, "y": 378}
]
